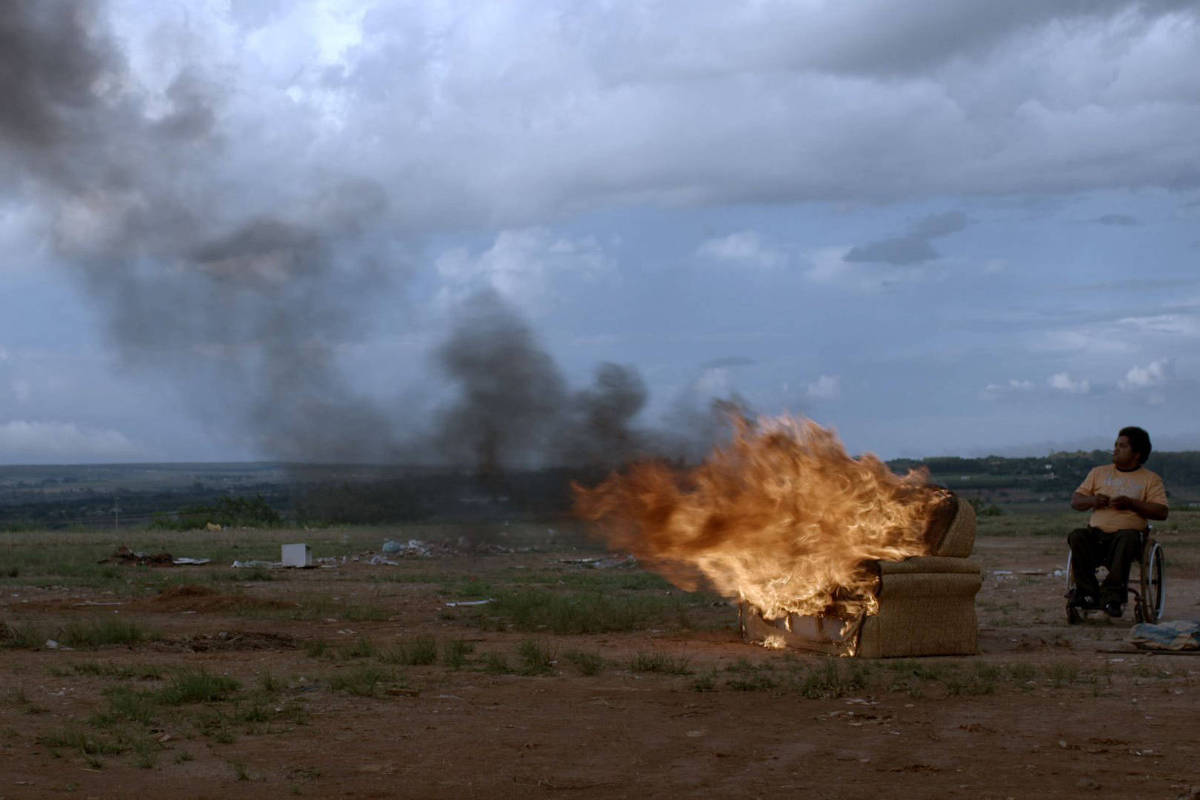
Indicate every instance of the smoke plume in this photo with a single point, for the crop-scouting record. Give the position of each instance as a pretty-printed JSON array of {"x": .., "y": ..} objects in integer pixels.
[{"x": 241, "y": 282}]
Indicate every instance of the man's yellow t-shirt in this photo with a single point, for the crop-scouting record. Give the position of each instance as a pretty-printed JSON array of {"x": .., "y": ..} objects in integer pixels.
[{"x": 1140, "y": 484}]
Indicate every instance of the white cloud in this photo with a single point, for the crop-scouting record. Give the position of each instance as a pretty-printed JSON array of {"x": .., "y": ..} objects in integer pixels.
[
  {"x": 744, "y": 248},
  {"x": 1153, "y": 375},
  {"x": 1063, "y": 382},
  {"x": 24, "y": 442},
  {"x": 521, "y": 266},
  {"x": 826, "y": 387}
]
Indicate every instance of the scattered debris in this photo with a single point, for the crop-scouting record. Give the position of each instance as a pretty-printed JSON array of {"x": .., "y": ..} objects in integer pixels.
[
  {"x": 602, "y": 562},
  {"x": 413, "y": 548},
  {"x": 458, "y": 603},
  {"x": 257, "y": 564},
  {"x": 123, "y": 555}
]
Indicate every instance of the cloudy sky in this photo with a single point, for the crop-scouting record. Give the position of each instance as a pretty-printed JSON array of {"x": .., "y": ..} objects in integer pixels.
[{"x": 338, "y": 229}]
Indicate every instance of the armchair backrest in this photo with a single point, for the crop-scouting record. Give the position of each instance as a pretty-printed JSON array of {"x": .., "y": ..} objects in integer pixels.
[{"x": 957, "y": 538}]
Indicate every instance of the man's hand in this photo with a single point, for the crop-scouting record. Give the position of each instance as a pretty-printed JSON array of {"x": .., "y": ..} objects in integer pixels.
[
  {"x": 1123, "y": 503},
  {"x": 1102, "y": 501},
  {"x": 1088, "y": 502}
]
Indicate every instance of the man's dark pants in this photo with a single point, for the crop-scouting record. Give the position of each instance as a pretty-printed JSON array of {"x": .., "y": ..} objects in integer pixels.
[{"x": 1092, "y": 548}]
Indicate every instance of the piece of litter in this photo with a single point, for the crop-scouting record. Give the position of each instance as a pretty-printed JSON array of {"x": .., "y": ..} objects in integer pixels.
[
  {"x": 256, "y": 565},
  {"x": 470, "y": 603},
  {"x": 51, "y": 644},
  {"x": 1002, "y": 572},
  {"x": 413, "y": 548},
  {"x": 190, "y": 562}
]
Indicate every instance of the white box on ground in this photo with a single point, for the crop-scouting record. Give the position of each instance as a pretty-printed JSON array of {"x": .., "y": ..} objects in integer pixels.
[{"x": 296, "y": 555}]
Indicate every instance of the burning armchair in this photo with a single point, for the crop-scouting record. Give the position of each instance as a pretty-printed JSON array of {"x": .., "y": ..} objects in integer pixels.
[{"x": 820, "y": 550}]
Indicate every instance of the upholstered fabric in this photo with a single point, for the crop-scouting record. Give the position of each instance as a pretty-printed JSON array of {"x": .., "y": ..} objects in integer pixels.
[
  {"x": 959, "y": 540},
  {"x": 927, "y": 604}
]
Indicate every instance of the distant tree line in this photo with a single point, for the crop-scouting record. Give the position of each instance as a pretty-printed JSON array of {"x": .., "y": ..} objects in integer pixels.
[
  {"x": 449, "y": 496},
  {"x": 1057, "y": 472}
]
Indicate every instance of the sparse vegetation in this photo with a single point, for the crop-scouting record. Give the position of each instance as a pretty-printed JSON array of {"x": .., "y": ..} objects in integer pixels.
[
  {"x": 661, "y": 663},
  {"x": 418, "y": 651},
  {"x": 305, "y": 646},
  {"x": 537, "y": 658},
  {"x": 363, "y": 681}
]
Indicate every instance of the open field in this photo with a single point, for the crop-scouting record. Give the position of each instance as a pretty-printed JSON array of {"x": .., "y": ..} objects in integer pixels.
[{"x": 363, "y": 680}]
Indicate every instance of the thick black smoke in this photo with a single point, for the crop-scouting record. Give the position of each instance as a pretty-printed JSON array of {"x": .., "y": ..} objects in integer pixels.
[
  {"x": 243, "y": 302},
  {"x": 514, "y": 409}
]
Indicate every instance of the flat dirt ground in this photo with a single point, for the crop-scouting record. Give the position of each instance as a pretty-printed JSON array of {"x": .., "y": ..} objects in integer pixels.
[{"x": 361, "y": 681}]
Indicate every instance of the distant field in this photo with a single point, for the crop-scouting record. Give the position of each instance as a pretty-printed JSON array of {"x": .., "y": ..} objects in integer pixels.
[{"x": 138, "y": 495}]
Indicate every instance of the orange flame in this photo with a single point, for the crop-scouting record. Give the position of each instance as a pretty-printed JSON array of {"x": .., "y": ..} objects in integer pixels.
[{"x": 782, "y": 518}]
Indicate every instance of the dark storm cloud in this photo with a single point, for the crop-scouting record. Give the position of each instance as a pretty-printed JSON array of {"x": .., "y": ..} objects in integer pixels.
[{"x": 914, "y": 247}]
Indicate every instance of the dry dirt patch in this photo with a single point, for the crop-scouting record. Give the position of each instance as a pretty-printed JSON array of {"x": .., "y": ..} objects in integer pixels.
[{"x": 386, "y": 691}]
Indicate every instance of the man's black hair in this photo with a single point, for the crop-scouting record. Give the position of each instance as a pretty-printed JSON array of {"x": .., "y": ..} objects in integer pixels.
[{"x": 1139, "y": 440}]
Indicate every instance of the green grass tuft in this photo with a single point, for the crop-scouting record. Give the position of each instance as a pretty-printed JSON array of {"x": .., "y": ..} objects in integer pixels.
[
  {"x": 418, "y": 651},
  {"x": 105, "y": 631},
  {"x": 455, "y": 652},
  {"x": 537, "y": 658},
  {"x": 363, "y": 681},
  {"x": 196, "y": 686}
]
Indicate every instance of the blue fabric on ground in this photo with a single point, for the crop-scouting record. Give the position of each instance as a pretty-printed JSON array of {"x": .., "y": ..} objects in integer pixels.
[{"x": 1179, "y": 634}]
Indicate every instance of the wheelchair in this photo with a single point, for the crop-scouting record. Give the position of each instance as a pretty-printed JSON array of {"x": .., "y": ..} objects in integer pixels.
[{"x": 1150, "y": 594}]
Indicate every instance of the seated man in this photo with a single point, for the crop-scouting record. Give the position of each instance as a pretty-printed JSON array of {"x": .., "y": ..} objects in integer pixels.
[{"x": 1122, "y": 496}]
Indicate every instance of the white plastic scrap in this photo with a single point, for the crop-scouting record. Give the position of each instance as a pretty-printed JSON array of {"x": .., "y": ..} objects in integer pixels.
[{"x": 414, "y": 548}]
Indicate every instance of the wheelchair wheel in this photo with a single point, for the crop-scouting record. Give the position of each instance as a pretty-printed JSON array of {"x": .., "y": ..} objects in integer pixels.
[
  {"x": 1074, "y": 615},
  {"x": 1154, "y": 590}
]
